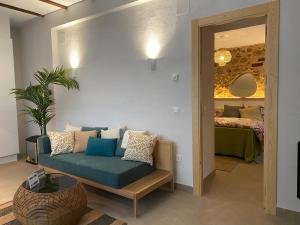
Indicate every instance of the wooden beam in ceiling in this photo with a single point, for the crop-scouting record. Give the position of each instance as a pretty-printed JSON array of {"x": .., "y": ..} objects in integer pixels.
[
  {"x": 54, "y": 4},
  {"x": 20, "y": 9}
]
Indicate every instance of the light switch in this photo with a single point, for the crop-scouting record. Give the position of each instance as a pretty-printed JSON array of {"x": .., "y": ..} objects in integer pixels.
[{"x": 175, "y": 76}]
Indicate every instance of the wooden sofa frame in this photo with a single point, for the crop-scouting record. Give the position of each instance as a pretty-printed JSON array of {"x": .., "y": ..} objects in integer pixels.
[{"x": 164, "y": 173}]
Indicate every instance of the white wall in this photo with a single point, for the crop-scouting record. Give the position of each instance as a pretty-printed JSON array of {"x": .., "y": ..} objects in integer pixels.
[
  {"x": 4, "y": 26},
  {"x": 289, "y": 105},
  {"x": 176, "y": 57},
  {"x": 8, "y": 120},
  {"x": 19, "y": 84},
  {"x": 117, "y": 88},
  {"x": 35, "y": 40}
]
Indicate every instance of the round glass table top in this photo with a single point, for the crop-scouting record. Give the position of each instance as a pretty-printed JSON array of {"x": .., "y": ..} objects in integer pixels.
[{"x": 50, "y": 183}]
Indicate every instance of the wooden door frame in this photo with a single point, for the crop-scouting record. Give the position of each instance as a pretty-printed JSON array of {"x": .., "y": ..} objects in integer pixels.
[{"x": 271, "y": 11}]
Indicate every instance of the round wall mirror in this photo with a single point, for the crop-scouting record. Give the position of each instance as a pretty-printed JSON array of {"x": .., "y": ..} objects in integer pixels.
[{"x": 243, "y": 86}]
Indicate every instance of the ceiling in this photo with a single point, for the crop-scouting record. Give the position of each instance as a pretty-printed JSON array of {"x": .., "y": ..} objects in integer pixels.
[
  {"x": 240, "y": 37},
  {"x": 17, "y": 18}
]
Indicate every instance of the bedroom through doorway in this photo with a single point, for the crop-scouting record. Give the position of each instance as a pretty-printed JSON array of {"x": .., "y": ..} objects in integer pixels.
[
  {"x": 203, "y": 32},
  {"x": 239, "y": 91},
  {"x": 203, "y": 96}
]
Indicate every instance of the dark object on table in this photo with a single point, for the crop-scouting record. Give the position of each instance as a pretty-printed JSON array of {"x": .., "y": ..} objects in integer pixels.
[
  {"x": 57, "y": 199},
  {"x": 32, "y": 139},
  {"x": 34, "y": 179}
]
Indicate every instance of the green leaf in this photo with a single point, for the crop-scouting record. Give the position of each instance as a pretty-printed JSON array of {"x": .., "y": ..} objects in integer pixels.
[{"x": 40, "y": 95}]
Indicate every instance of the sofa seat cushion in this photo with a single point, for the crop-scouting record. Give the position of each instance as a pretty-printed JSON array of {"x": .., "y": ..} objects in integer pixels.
[{"x": 109, "y": 171}]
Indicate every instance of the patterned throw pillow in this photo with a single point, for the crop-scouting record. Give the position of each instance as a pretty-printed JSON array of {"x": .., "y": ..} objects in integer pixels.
[
  {"x": 126, "y": 137},
  {"x": 140, "y": 148},
  {"x": 61, "y": 142}
]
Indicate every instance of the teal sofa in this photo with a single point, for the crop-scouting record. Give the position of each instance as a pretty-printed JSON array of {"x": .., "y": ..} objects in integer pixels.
[
  {"x": 109, "y": 171},
  {"x": 129, "y": 179}
]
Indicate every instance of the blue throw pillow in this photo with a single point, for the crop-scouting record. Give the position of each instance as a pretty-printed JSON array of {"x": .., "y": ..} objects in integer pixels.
[
  {"x": 101, "y": 147},
  {"x": 98, "y": 129},
  {"x": 120, "y": 152}
]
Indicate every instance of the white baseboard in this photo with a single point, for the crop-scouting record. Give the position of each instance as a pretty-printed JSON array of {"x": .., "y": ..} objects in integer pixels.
[{"x": 7, "y": 159}]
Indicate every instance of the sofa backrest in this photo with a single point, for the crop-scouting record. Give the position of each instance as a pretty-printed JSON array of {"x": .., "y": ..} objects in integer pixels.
[
  {"x": 163, "y": 153},
  {"x": 44, "y": 145}
]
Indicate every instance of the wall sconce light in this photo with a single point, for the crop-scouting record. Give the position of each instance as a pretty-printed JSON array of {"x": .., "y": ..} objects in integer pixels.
[
  {"x": 74, "y": 60},
  {"x": 152, "y": 49}
]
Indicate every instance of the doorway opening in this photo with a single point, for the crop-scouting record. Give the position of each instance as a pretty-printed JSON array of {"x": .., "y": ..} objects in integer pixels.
[
  {"x": 265, "y": 18},
  {"x": 238, "y": 112}
]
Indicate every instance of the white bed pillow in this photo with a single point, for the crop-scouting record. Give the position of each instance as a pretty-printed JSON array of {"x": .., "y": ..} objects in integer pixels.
[
  {"x": 252, "y": 112},
  {"x": 126, "y": 137},
  {"x": 70, "y": 127}
]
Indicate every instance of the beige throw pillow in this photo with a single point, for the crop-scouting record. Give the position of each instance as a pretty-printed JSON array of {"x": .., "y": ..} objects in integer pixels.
[
  {"x": 81, "y": 140},
  {"x": 140, "y": 148},
  {"x": 251, "y": 112},
  {"x": 61, "y": 142}
]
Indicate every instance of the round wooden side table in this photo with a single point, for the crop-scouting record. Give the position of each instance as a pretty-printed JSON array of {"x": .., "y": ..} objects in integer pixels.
[{"x": 57, "y": 200}]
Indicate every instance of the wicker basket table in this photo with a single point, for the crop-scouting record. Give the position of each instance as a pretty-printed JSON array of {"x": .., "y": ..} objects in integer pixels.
[{"x": 57, "y": 200}]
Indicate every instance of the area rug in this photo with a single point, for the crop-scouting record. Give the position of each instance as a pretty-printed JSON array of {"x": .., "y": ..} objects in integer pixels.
[
  {"x": 91, "y": 217},
  {"x": 226, "y": 164}
]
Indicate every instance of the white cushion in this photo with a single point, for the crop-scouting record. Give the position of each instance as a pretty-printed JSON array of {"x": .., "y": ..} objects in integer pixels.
[
  {"x": 70, "y": 127},
  {"x": 111, "y": 134},
  {"x": 61, "y": 142},
  {"x": 126, "y": 137}
]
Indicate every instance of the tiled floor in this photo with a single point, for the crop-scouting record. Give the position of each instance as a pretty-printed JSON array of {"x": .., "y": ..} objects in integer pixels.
[{"x": 232, "y": 199}]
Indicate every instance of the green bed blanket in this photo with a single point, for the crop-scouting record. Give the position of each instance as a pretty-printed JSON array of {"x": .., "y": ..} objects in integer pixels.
[{"x": 239, "y": 142}]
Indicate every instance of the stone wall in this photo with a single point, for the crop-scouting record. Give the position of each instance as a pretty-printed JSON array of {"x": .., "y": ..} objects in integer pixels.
[{"x": 247, "y": 59}]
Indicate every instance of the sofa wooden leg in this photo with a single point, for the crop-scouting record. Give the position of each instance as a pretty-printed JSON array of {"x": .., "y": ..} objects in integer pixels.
[{"x": 135, "y": 207}]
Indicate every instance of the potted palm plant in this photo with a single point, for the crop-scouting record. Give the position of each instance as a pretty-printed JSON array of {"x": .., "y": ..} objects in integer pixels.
[{"x": 40, "y": 96}]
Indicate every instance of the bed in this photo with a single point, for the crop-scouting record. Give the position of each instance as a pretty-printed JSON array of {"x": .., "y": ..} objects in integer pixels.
[{"x": 239, "y": 137}]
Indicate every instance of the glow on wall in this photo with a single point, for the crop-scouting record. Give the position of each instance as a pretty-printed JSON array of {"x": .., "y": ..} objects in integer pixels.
[{"x": 246, "y": 59}]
